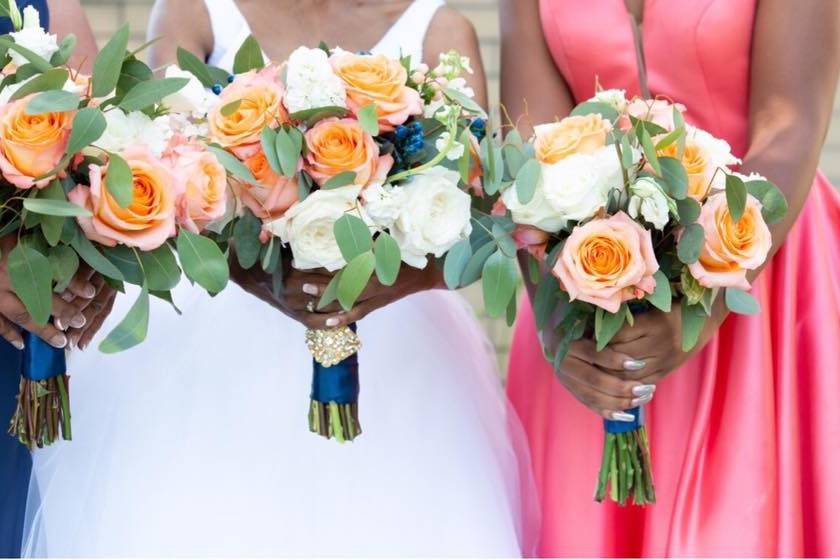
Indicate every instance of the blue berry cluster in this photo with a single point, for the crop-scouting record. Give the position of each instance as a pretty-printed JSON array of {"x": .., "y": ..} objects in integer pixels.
[
  {"x": 479, "y": 128},
  {"x": 217, "y": 88},
  {"x": 409, "y": 138}
]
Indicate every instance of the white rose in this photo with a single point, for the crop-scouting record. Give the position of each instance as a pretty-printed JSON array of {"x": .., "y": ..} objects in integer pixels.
[
  {"x": 577, "y": 186},
  {"x": 615, "y": 98},
  {"x": 383, "y": 204},
  {"x": 33, "y": 37},
  {"x": 538, "y": 212},
  {"x": 435, "y": 216},
  {"x": 311, "y": 82},
  {"x": 193, "y": 98},
  {"x": 455, "y": 152},
  {"x": 129, "y": 129},
  {"x": 718, "y": 155},
  {"x": 648, "y": 200},
  {"x": 308, "y": 227}
]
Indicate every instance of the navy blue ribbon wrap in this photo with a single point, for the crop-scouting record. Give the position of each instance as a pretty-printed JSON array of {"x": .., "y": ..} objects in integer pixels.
[
  {"x": 338, "y": 383},
  {"x": 40, "y": 360}
]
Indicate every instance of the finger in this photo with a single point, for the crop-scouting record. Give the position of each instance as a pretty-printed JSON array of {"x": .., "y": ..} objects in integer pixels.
[
  {"x": 67, "y": 315},
  {"x": 608, "y": 358},
  {"x": 604, "y": 383},
  {"x": 99, "y": 285},
  {"x": 10, "y": 333},
  {"x": 81, "y": 286},
  {"x": 15, "y": 312},
  {"x": 96, "y": 322}
]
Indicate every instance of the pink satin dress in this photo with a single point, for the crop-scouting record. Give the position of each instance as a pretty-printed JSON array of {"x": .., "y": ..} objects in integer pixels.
[{"x": 746, "y": 436}]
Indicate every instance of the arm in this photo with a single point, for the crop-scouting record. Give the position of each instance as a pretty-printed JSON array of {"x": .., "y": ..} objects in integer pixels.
[
  {"x": 451, "y": 30},
  {"x": 168, "y": 24},
  {"x": 66, "y": 17}
]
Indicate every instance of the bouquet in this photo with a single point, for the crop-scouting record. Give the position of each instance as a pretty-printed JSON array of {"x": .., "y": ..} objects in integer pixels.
[
  {"x": 624, "y": 207},
  {"x": 354, "y": 163},
  {"x": 95, "y": 169}
]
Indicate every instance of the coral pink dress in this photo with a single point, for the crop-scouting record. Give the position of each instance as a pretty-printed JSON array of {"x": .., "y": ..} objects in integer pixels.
[{"x": 746, "y": 436}]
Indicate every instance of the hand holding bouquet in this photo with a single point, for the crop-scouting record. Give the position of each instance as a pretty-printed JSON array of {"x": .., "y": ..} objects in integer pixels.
[{"x": 624, "y": 207}]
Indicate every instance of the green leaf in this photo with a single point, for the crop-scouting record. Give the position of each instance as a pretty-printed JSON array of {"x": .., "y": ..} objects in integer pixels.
[
  {"x": 65, "y": 50},
  {"x": 230, "y": 108},
  {"x": 161, "y": 269},
  {"x": 670, "y": 138},
  {"x": 311, "y": 116},
  {"x": 53, "y": 79},
  {"x": 545, "y": 300},
  {"x": 689, "y": 211},
  {"x": 132, "y": 330},
  {"x": 88, "y": 126},
  {"x": 455, "y": 263},
  {"x": 533, "y": 270},
  {"x": 133, "y": 73},
  {"x": 94, "y": 258},
  {"x": 268, "y": 139},
  {"x": 248, "y": 57},
  {"x": 527, "y": 180},
  {"x": 464, "y": 101},
  {"x": 513, "y": 156},
  {"x": 693, "y": 319},
  {"x": 52, "y": 226},
  {"x": 498, "y": 283},
  {"x": 194, "y": 65},
  {"x": 30, "y": 273},
  {"x": 492, "y": 165},
  {"x": 649, "y": 150},
  {"x": 246, "y": 239},
  {"x": 120, "y": 182},
  {"x": 146, "y": 94},
  {"x": 774, "y": 205},
  {"x": 354, "y": 279},
  {"x": 369, "y": 119},
  {"x": 465, "y": 161},
  {"x": 64, "y": 262},
  {"x": 736, "y": 197},
  {"x": 341, "y": 180},
  {"x": 504, "y": 241},
  {"x": 38, "y": 63},
  {"x": 626, "y": 153},
  {"x": 106, "y": 68},
  {"x": 125, "y": 259},
  {"x": 352, "y": 236},
  {"x": 510, "y": 312},
  {"x": 232, "y": 165},
  {"x": 287, "y": 145},
  {"x": 330, "y": 292},
  {"x": 388, "y": 259},
  {"x": 476, "y": 263},
  {"x": 594, "y": 107},
  {"x": 271, "y": 255},
  {"x": 662, "y": 297},
  {"x": 203, "y": 261},
  {"x": 739, "y": 301},
  {"x": 53, "y": 207},
  {"x": 607, "y": 325},
  {"x": 690, "y": 244},
  {"x": 675, "y": 177},
  {"x": 56, "y": 101}
]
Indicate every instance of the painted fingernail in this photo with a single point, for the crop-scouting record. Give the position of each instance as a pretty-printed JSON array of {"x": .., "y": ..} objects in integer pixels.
[
  {"x": 310, "y": 289},
  {"x": 642, "y": 400},
  {"x": 78, "y": 321},
  {"x": 634, "y": 365},
  {"x": 643, "y": 390},
  {"x": 59, "y": 324},
  {"x": 88, "y": 292},
  {"x": 59, "y": 341},
  {"x": 622, "y": 417},
  {"x": 333, "y": 322},
  {"x": 18, "y": 344},
  {"x": 67, "y": 296}
]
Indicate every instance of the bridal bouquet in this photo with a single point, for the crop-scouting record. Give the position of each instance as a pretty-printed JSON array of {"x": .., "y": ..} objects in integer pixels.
[
  {"x": 354, "y": 163},
  {"x": 93, "y": 170},
  {"x": 624, "y": 207}
]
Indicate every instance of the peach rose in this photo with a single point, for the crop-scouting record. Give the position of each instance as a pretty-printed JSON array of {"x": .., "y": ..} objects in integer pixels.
[
  {"x": 531, "y": 239},
  {"x": 697, "y": 167},
  {"x": 338, "y": 145},
  {"x": 273, "y": 193},
  {"x": 204, "y": 180},
  {"x": 730, "y": 249},
  {"x": 657, "y": 111},
  {"x": 381, "y": 80},
  {"x": 149, "y": 219},
  {"x": 31, "y": 145},
  {"x": 573, "y": 135},
  {"x": 608, "y": 261},
  {"x": 260, "y": 95}
]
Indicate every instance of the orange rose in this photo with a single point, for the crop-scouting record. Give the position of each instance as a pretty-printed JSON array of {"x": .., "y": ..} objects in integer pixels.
[
  {"x": 730, "y": 249},
  {"x": 204, "y": 179},
  {"x": 31, "y": 145},
  {"x": 380, "y": 80},
  {"x": 338, "y": 145},
  {"x": 572, "y": 135},
  {"x": 607, "y": 261},
  {"x": 697, "y": 166},
  {"x": 260, "y": 95},
  {"x": 272, "y": 194},
  {"x": 149, "y": 219}
]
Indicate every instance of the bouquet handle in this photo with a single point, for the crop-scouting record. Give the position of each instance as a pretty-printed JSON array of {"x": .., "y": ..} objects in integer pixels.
[{"x": 626, "y": 470}]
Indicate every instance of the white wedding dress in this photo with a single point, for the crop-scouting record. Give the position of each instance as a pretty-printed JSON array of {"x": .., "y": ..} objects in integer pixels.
[{"x": 196, "y": 443}]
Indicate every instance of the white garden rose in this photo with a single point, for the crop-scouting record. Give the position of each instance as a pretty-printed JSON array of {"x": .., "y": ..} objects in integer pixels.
[
  {"x": 125, "y": 130},
  {"x": 648, "y": 200},
  {"x": 538, "y": 212},
  {"x": 193, "y": 99},
  {"x": 311, "y": 82},
  {"x": 33, "y": 37},
  {"x": 615, "y": 98},
  {"x": 718, "y": 155},
  {"x": 435, "y": 216},
  {"x": 383, "y": 204},
  {"x": 578, "y": 185},
  {"x": 308, "y": 227}
]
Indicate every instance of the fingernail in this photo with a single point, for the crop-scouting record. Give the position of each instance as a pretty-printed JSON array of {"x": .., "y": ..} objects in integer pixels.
[
  {"x": 18, "y": 344},
  {"x": 74, "y": 340},
  {"x": 622, "y": 417},
  {"x": 88, "y": 292},
  {"x": 634, "y": 365},
  {"x": 59, "y": 341},
  {"x": 333, "y": 322},
  {"x": 67, "y": 296},
  {"x": 642, "y": 400},
  {"x": 643, "y": 390},
  {"x": 310, "y": 289},
  {"x": 78, "y": 321},
  {"x": 59, "y": 324}
]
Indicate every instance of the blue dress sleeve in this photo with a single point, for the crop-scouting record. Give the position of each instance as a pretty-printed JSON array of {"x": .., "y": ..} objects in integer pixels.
[{"x": 40, "y": 5}]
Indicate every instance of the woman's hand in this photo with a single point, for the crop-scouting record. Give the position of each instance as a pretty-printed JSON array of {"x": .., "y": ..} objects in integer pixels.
[
  {"x": 95, "y": 310},
  {"x": 303, "y": 289}
]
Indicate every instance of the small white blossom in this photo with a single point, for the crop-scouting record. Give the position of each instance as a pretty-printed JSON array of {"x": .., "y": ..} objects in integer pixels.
[
  {"x": 129, "y": 129},
  {"x": 451, "y": 65},
  {"x": 383, "y": 204},
  {"x": 33, "y": 37},
  {"x": 615, "y": 98},
  {"x": 311, "y": 82},
  {"x": 455, "y": 151},
  {"x": 193, "y": 98},
  {"x": 649, "y": 201}
]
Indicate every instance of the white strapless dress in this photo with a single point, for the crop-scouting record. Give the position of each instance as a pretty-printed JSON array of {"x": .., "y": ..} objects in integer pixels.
[{"x": 196, "y": 443}]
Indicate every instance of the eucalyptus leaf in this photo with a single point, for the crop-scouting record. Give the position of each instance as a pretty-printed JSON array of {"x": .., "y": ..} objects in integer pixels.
[
  {"x": 160, "y": 268},
  {"x": 268, "y": 144},
  {"x": 248, "y": 57},
  {"x": 52, "y": 207},
  {"x": 662, "y": 297},
  {"x": 132, "y": 330},
  {"x": 53, "y": 79},
  {"x": 369, "y": 119},
  {"x": 120, "y": 182},
  {"x": 546, "y": 299},
  {"x": 736, "y": 197},
  {"x": 465, "y": 161},
  {"x": 52, "y": 226},
  {"x": 91, "y": 255},
  {"x": 455, "y": 263},
  {"x": 475, "y": 265},
  {"x": 354, "y": 279},
  {"x": 388, "y": 259},
  {"x": 691, "y": 243},
  {"x": 55, "y": 101},
  {"x": 232, "y": 165},
  {"x": 527, "y": 179},
  {"x": 311, "y": 116},
  {"x": 689, "y": 211},
  {"x": 246, "y": 239},
  {"x": 596, "y": 108},
  {"x": 693, "y": 319},
  {"x": 146, "y": 94},
  {"x": 463, "y": 100},
  {"x": 341, "y": 180},
  {"x": 774, "y": 205},
  {"x": 64, "y": 263},
  {"x": 88, "y": 126},
  {"x": 650, "y": 152},
  {"x": 675, "y": 178},
  {"x": 65, "y": 50},
  {"x": 739, "y": 301},
  {"x": 30, "y": 274},
  {"x": 330, "y": 292},
  {"x": 230, "y": 108},
  {"x": 498, "y": 283},
  {"x": 352, "y": 235},
  {"x": 194, "y": 65},
  {"x": 203, "y": 261},
  {"x": 287, "y": 145},
  {"x": 607, "y": 325},
  {"x": 106, "y": 67}
]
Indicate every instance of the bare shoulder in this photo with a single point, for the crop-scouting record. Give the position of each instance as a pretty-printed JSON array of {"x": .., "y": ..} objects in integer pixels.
[
  {"x": 450, "y": 29},
  {"x": 179, "y": 23}
]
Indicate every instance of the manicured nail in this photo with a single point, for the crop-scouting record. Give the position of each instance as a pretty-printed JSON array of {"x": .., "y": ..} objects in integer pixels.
[
  {"x": 18, "y": 344},
  {"x": 310, "y": 289},
  {"x": 67, "y": 296},
  {"x": 642, "y": 400},
  {"x": 622, "y": 417},
  {"x": 333, "y": 322},
  {"x": 78, "y": 321},
  {"x": 59, "y": 341},
  {"x": 59, "y": 324},
  {"x": 643, "y": 390},
  {"x": 88, "y": 292},
  {"x": 634, "y": 365}
]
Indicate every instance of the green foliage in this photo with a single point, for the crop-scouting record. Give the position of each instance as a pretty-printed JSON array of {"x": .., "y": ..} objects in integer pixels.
[
  {"x": 662, "y": 296},
  {"x": 354, "y": 279},
  {"x": 203, "y": 261},
  {"x": 693, "y": 319},
  {"x": 288, "y": 144},
  {"x": 597, "y": 108},
  {"x": 690, "y": 244},
  {"x": 30, "y": 274},
  {"x": 341, "y": 180},
  {"x": 736, "y": 197},
  {"x": 233, "y": 166},
  {"x": 675, "y": 177},
  {"x": 739, "y": 301},
  {"x": 52, "y": 101},
  {"x": 388, "y": 259},
  {"x": 132, "y": 330},
  {"x": 608, "y": 324},
  {"x": 88, "y": 126},
  {"x": 456, "y": 262},
  {"x": 248, "y": 57},
  {"x": 146, "y": 94},
  {"x": 369, "y": 119},
  {"x": 774, "y": 206},
  {"x": 119, "y": 180},
  {"x": 246, "y": 239},
  {"x": 53, "y": 79},
  {"x": 527, "y": 179},
  {"x": 353, "y": 236},
  {"x": 192, "y": 64},
  {"x": 498, "y": 283},
  {"x": 106, "y": 67}
]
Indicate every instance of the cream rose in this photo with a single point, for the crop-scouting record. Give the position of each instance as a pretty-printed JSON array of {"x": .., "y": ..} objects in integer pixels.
[
  {"x": 577, "y": 186},
  {"x": 537, "y": 212},
  {"x": 573, "y": 135},
  {"x": 648, "y": 201}
]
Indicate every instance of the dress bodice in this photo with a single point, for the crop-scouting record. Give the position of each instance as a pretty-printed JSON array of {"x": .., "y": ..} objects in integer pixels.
[{"x": 697, "y": 52}]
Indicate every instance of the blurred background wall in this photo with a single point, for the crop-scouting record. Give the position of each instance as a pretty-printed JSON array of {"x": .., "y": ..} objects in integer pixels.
[{"x": 107, "y": 15}]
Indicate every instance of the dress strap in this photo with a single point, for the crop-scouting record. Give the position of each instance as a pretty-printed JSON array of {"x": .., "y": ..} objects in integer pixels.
[
  {"x": 229, "y": 27},
  {"x": 408, "y": 33}
]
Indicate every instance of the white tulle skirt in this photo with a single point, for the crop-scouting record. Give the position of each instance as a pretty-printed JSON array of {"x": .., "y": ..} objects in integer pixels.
[{"x": 196, "y": 443}]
